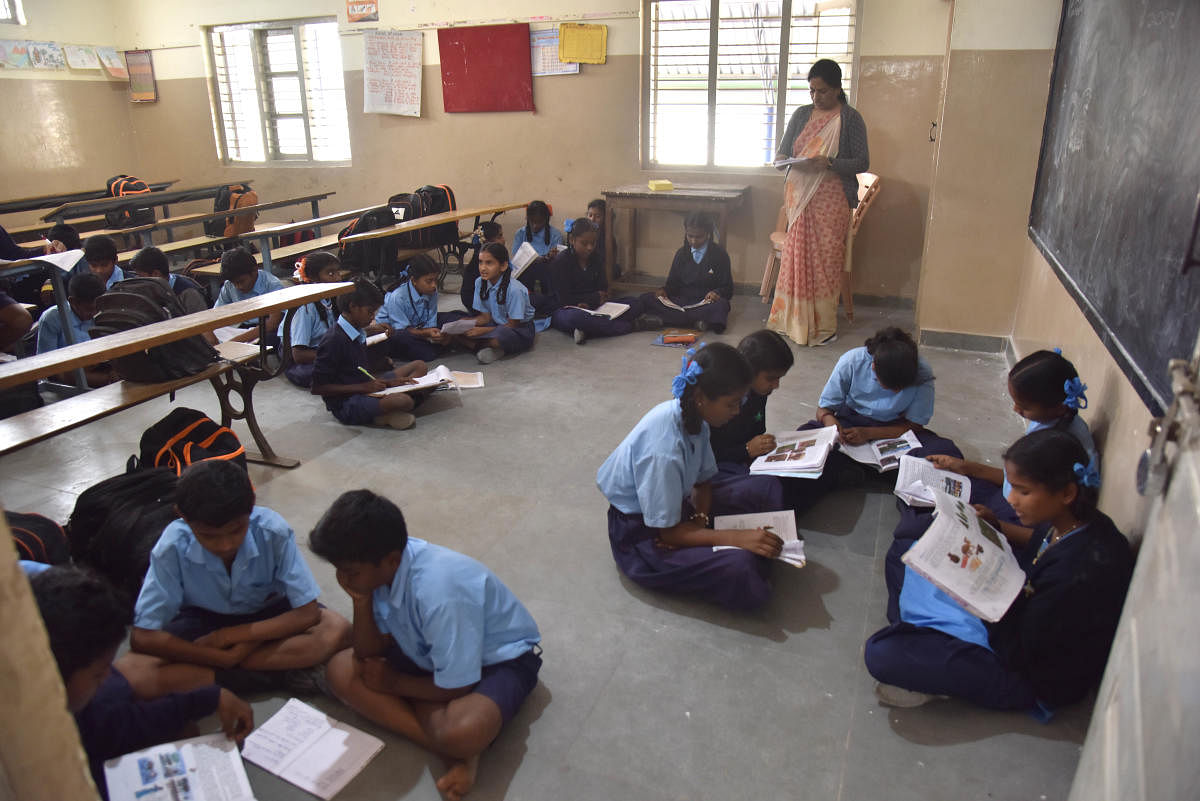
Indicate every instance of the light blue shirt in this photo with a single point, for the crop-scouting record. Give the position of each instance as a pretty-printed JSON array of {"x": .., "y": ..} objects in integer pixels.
[
  {"x": 923, "y": 604},
  {"x": 355, "y": 334},
  {"x": 517, "y": 305},
  {"x": 698, "y": 253},
  {"x": 264, "y": 283},
  {"x": 405, "y": 307},
  {"x": 656, "y": 466},
  {"x": 451, "y": 615},
  {"x": 267, "y": 568},
  {"x": 31, "y": 568},
  {"x": 50, "y": 329},
  {"x": 307, "y": 326},
  {"x": 1077, "y": 428},
  {"x": 853, "y": 383},
  {"x": 117, "y": 275},
  {"x": 538, "y": 240}
]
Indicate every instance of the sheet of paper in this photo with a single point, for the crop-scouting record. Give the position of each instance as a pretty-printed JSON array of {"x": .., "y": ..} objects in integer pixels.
[
  {"x": 586, "y": 43},
  {"x": 112, "y": 61},
  {"x": 333, "y": 760},
  {"x": 917, "y": 476},
  {"x": 14, "y": 54},
  {"x": 543, "y": 47},
  {"x": 781, "y": 523},
  {"x": 392, "y": 72},
  {"x": 967, "y": 559},
  {"x": 81, "y": 57},
  {"x": 279, "y": 741},
  {"x": 524, "y": 256},
  {"x": 204, "y": 768},
  {"x": 63, "y": 261},
  {"x": 467, "y": 380},
  {"x": 781, "y": 163},
  {"x": 375, "y": 339},
  {"x": 459, "y": 326},
  {"x": 46, "y": 56},
  {"x": 228, "y": 332}
]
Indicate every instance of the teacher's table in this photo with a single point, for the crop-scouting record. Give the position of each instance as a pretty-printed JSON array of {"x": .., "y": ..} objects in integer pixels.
[{"x": 718, "y": 199}]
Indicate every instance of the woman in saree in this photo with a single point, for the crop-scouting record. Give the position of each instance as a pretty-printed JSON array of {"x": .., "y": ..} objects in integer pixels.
[{"x": 829, "y": 139}]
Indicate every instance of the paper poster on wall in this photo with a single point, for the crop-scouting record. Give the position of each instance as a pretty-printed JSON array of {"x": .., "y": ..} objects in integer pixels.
[
  {"x": 112, "y": 62},
  {"x": 142, "y": 88},
  {"x": 392, "y": 72},
  {"x": 14, "y": 55},
  {"x": 585, "y": 43},
  {"x": 46, "y": 56},
  {"x": 362, "y": 10},
  {"x": 486, "y": 68},
  {"x": 81, "y": 57},
  {"x": 543, "y": 48}
]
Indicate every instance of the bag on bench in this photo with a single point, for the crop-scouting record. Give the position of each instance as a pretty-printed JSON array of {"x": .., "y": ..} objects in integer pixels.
[
  {"x": 135, "y": 302},
  {"x": 38, "y": 539},
  {"x": 435, "y": 200},
  {"x": 223, "y": 201},
  {"x": 185, "y": 437},
  {"x": 243, "y": 223},
  {"x": 128, "y": 186},
  {"x": 374, "y": 254}
]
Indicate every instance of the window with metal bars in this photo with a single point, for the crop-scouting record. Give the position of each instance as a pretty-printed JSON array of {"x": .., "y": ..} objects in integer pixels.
[
  {"x": 11, "y": 12},
  {"x": 278, "y": 92},
  {"x": 722, "y": 78}
]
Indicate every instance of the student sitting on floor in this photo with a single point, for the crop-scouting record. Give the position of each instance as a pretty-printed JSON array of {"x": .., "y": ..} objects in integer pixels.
[
  {"x": 311, "y": 321},
  {"x": 410, "y": 313},
  {"x": 487, "y": 232},
  {"x": 86, "y": 622},
  {"x": 228, "y": 597},
  {"x": 578, "y": 283},
  {"x": 537, "y": 230},
  {"x": 661, "y": 538},
  {"x": 340, "y": 372},
  {"x": 81, "y": 308},
  {"x": 505, "y": 324},
  {"x": 100, "y": 253},
  {"x": 152, "y": 263},
  {"x": 700, "y": 276},
  {"x": 597, "y": 212},
  {"x": 443, "y": 653},
  {"x": 243, "y": 280},
  {"x": 743, "y": 439},
  {"x": 1051, "y": 645}
]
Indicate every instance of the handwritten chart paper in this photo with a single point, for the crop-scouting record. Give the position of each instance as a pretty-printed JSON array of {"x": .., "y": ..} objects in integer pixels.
[
  {"x": 543, "y": 46},
  {"x": 392, "y": 72}
]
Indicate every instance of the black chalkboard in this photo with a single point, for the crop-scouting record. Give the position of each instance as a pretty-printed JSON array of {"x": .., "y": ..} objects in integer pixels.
[{"x": 1116, "y": 196}]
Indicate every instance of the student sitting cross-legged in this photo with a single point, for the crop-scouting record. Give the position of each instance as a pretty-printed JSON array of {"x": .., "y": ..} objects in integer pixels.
[
  {"x": 410, "y": 313},
  {"x": 505, "y": 323},
  {"x": 311, "y": 321},
  {"x": 86, "y": 620},
  {"x": 443, "y": 653},
  {"x": 579, "y": 284},
  {"x": 744, "y": 438},
  {"x": 340, "y": 373},
  {"x": 700, "y": 278},
  {"x": 243, "y": 280},
  {"x": 228, "y": 596}
]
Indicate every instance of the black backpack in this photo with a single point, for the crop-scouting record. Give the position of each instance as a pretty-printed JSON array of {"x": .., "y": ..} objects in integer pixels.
[
  {"x": 135, "y": 302},
  {"x": 374, "y": 254},
  {"x": 438, "y": 199},
  {"x": 222, "y": 202},
  {"x": 116, "y": 523},
  {"x": 407, "y": 206},
  {"x": 128, "y": 186},
  {"x": 38, "y": 539},
  {"x": 184, "y": 437}
]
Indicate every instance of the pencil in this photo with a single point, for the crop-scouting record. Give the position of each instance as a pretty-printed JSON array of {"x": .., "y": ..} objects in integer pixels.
[{"x": 367, "y": 373}]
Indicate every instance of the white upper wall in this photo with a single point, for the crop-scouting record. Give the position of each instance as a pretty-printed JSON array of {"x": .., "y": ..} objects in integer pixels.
[
  {"x": 1005, "y": 24},
  {"x": 903, "y": 27}
]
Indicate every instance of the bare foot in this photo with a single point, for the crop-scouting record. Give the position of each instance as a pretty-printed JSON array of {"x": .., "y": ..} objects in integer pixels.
[{"x": 459, "y": 779}]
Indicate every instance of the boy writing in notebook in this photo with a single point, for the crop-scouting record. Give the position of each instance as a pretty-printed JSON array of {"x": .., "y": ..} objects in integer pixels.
[{"x": 442, "y": 652}]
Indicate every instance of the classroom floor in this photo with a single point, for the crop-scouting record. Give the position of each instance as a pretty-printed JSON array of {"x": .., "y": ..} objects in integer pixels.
[{"x": 642, "y": 696}]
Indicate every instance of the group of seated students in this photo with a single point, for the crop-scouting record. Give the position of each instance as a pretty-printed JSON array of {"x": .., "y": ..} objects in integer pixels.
[{"x": 687, "y": 461}]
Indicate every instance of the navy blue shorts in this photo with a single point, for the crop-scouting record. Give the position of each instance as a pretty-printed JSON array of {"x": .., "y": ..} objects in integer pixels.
[
  {"x": 192, "y": 622},
  {"x": 358, "y": 410},
  {"x": 507, "y": 684}
]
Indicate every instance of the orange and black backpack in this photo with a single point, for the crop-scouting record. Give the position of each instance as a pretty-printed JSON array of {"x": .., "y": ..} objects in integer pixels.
[
  {"x": 128, "y": 186},
  {"x": 238, "y": 224},
  {"x": 38, "y": 539},
  {"x": 184, "y": 437}
]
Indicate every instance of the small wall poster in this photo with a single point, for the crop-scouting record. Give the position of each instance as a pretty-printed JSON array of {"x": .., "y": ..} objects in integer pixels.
[
  {"x": 362, "y": 10},
  {"x": 14, "y": 55},
  {"x": 112, "y": 62},
  {"x": 142, "y": 88},
  {"x": 46, "y": 56},
  {"x": 81, "y": 57},
  {"x": 392, "y": 72}
]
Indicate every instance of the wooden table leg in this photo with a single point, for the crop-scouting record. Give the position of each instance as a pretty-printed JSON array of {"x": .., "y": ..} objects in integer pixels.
[
  {"x": 241, "y": 381},
  {"x": 610, "y": 243}
]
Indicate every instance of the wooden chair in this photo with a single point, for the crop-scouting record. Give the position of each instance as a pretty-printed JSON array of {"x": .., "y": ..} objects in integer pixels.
[{"x": 868, "y": 188}]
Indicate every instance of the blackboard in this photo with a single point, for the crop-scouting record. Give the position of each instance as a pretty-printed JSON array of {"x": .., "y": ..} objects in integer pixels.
[{"x": 1116, "y": 196}]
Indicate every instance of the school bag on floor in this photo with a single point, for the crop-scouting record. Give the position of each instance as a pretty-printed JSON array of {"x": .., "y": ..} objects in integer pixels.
[
  {"x": 184, "y": 437},
  {"x": 128, "y": 186},
  {"x": 374, "y": 254},
  {"x": 38, "y": 539},
  {"x": 223, "y": 201},
  {"x": 116, "y": 523},
  {"x": 438, "y": 199},
  {"x": 238, "y": 224}
]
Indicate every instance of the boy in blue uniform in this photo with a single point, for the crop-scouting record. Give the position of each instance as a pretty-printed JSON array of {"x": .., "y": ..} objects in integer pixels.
[
  {"x": 86, "y": 619},
  {"x": 228, "y": 589},
  {"x": 100, "y": 253},
  {"x": 82, "y": 293},
  {"x": 152, "y": 263},
  {"x": 443, "y": 653},
  {"x": 243, "y": 280}
]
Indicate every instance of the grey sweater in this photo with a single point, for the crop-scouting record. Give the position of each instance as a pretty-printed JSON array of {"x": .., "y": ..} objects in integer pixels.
[{"x": 853, "y": 156}]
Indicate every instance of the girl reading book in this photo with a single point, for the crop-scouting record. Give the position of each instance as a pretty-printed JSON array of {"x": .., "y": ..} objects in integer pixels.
[
  {"x": 699, "y": 285},
  {"x": 580, "y": 287}
]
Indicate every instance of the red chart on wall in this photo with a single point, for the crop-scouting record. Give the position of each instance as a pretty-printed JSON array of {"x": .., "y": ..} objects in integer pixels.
[{"x": 486, "y": 68}]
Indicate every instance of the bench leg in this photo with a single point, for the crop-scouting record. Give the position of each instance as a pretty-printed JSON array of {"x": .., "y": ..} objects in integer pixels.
[{"x": 241, "y": 382}]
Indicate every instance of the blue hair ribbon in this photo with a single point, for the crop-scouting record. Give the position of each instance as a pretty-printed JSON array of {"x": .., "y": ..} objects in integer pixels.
[
  {"x": 1088, "y": 476},
  {"x": 568, "y": 225},
  {"x": 1076, "y": 393},
  {"x": 1058, "y": 351},
  {"x": 688, "y": 372}
]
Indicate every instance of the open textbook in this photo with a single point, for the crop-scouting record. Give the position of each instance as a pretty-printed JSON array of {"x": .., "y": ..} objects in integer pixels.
[
  {"x": 797, "y": 454},
  {"x": 967, "y": 559},
  {"x": 882, "y": 454},
  {"x": 437, "y": 377},
  {"x": 782, "y": 524},
  {"x": 521, "y": 259},
  {"x": 306, "y": 747},
  {"x": 204, "y": 768},
  {"x": 610, "y": 310},
  {"x": 670, "y": 304},
  {"x": 917, "y": 476}
]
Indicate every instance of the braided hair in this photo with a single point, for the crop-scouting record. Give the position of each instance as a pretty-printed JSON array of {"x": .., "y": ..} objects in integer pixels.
[
  {"x": 725, "y": 371},
  {"x": 500, "y": 254},
  {"x": 535, "y": 209},
  {"x": 1041, "y": 378}
]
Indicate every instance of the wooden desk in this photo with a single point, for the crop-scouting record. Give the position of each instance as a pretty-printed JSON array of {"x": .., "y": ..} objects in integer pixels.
[
  {"x": 434, "y": 219},
  {"x": 167, "y": 223},
  {"x": 58, "y": 283},
  {"x": 30, "y": 233},
  {"x": 59, "y": 198},
  {"x": 82, "y": 208},
  {"x": 720, "y": 200}
]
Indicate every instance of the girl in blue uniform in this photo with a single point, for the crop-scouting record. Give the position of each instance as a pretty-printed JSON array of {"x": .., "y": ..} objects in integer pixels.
[
  {"x": 486, "y": 232},
  {"x": 505, "y": 324},
  {"x": 410, "y": 313},
  {"x": 1050, "y": 647},
  {"x": 700, "y": 273},
  {"x": 311, "y": 321},
  {"x": 578, "y": 283},
  {"x": 537, "y": 230},
  {"x": 662, "y": 500}
]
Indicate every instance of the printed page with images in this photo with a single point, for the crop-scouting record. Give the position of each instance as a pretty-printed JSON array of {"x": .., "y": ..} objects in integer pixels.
[
  {"x": 524, "y": 256},
  {"x": 882, "y": 454},
  {"x": 204, "y": 768},
  {"x": 782, "y": 524},
  {"x": 917, "y": 476},
  {"x": 797, "y": 454},
  {"x": 306, "y": 747},
  {"x": 967, "y": 559}
]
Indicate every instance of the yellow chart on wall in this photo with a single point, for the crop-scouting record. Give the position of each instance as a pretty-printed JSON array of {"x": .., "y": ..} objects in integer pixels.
[{"x": 586, "y": 44}]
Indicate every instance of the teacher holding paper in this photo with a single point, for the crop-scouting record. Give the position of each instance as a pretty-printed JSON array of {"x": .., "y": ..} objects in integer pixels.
[{"x": 831, "y": 139}]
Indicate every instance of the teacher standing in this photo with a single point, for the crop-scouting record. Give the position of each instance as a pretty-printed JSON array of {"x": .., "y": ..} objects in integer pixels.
[{"x": 818, "y": 196}]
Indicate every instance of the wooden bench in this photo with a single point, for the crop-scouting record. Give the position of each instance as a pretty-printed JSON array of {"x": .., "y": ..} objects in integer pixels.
[
  {"x": 31, "y": 233},
  {"x": 167, "y": 223},
  {"x": 58, "y": 198},
  {"x": 179, "y": 246},
  {"x": 84, "y": 208},
  {"x": 266, "y": 235}
]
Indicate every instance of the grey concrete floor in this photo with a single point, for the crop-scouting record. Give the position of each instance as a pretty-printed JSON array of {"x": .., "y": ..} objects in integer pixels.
[{"x": 642, "y": 696}]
